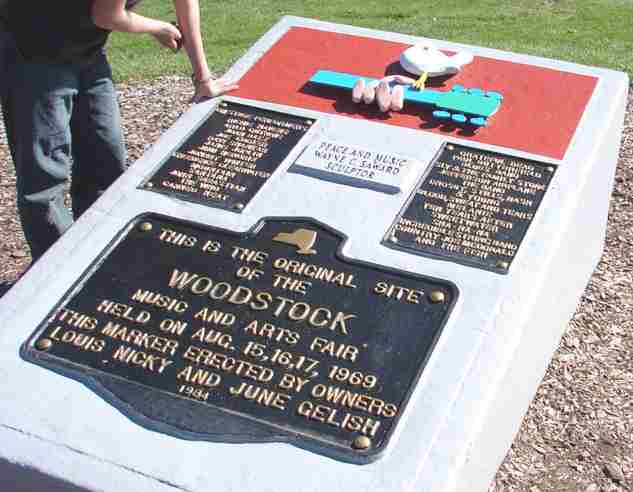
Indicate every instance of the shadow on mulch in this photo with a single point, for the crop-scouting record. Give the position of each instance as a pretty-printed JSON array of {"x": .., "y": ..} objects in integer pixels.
[{"x": 5, "y": 287}]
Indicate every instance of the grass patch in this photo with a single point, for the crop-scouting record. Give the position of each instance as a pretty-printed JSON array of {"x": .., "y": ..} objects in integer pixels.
[{"x": 591, "y": 32}]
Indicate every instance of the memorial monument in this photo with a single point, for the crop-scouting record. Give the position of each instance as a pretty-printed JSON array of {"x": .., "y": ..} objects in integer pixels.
[{"x": 348, "y": 275}]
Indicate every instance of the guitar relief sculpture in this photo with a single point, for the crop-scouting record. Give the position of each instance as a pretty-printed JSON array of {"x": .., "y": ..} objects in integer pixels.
[{"x": 472, "y": 106}]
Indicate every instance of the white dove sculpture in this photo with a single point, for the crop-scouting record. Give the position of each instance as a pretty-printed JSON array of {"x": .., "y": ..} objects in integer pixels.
[
  {"x": 425, "y": 60},
  {"x": 425, "y": 57}
]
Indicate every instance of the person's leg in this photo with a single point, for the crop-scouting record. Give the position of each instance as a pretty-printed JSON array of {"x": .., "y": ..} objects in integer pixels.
[
  {"x": 39, "y": 104},
  {"x": 7, "y": 62},
  {"x": 98, "y": 147}
]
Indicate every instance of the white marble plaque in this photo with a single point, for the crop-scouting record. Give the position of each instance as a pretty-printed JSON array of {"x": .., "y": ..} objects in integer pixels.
[{"x": 357, "y": 166}]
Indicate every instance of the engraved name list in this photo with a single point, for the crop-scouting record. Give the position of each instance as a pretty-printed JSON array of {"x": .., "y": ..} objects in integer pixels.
[
  {"x": 230, "y": 156},
  {"x": 474, "y": 207}
]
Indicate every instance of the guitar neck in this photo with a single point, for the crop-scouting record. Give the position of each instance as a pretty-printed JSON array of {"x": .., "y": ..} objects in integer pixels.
[{"x": 348, "y": 81}]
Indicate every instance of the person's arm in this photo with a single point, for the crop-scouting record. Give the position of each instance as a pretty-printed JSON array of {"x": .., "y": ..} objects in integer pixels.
[
  {"x": 188, "y": 14},
  {"x": 113, "y": 16}
]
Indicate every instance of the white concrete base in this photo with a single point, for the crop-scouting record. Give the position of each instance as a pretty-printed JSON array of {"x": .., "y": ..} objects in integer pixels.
[{"x": 55, "y": 434}]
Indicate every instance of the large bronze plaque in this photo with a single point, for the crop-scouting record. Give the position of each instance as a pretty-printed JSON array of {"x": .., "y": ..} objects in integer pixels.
[
  {"x": 230, "y": 156},
  {"x": 269, "y": 335},
  {"x": 474, "y": 207}
]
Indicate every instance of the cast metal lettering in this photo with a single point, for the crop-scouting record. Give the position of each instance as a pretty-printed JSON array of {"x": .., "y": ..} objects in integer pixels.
[
  {"x": 474, "y": 207},
  {"x": 242, "y": 324},
  {"x": 316, "y": 316},
  {"x": 230, "y": 156}
]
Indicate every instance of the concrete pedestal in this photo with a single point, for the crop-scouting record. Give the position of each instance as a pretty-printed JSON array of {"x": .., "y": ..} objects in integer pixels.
[{"x": 57, "y": 434}]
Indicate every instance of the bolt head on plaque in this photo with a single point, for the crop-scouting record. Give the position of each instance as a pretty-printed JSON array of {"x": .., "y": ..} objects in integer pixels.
[
  {"x": 437, "y": 296},
  {"x": 361, "y": 443},
  {"x": 504, "y": 265},
  {"x": 44, "y": 344},
  {"x": 146, "y": 226}
]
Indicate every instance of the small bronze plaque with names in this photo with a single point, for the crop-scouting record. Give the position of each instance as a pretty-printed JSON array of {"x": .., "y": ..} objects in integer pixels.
[
  {"x": 474, "y": 207},
  {"x": 230, "y": 156},
  {"x": 268, "y": 335}
]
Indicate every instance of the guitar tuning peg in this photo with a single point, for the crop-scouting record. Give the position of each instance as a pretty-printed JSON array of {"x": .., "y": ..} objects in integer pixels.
[
  {"x": 459, "y": 118},
  {"x": 478, "y": 121},
  {"x": 441, "y": 115}
]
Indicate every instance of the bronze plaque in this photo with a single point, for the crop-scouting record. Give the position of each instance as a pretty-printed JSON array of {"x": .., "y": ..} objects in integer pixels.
[
  {"x": 230, "y": 156},
  {"x": 269, "y": 335},
  {"x": 474, "y": 207}
]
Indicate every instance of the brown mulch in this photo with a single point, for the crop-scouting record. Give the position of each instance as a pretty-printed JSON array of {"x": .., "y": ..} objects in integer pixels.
[{"x": 578, "y": 432}]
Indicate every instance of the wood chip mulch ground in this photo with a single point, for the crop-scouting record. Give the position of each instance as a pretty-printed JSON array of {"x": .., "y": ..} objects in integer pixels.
[{"x": 578, "y": 432}]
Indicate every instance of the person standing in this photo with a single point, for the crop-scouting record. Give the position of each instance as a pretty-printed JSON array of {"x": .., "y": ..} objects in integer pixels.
[{"x": 59, "y": 104}]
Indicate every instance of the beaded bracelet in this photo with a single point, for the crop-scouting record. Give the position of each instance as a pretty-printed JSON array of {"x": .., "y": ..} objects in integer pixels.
[{"x": 196, "y": 82}]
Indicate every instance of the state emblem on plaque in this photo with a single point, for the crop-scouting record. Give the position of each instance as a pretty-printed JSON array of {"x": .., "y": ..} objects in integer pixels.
[{"x": 303, "y": 239}]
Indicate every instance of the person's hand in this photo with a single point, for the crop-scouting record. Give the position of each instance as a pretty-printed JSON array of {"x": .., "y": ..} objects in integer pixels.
[
  {"x": 211, "y": 88},
  {"x": 168, "y": 35}
]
